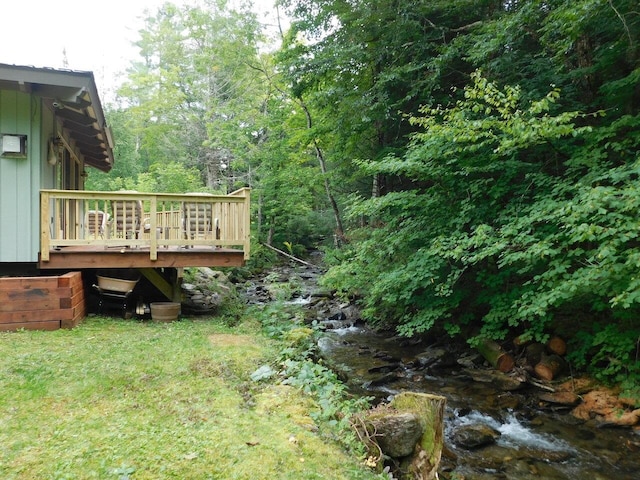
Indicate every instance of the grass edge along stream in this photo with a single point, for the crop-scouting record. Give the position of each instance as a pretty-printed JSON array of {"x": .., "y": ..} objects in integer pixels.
[{"x": 123, "y": 399}]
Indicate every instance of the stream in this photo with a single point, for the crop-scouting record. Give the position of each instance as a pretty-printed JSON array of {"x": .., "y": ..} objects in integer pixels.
[{"x": 530, "y": 442}]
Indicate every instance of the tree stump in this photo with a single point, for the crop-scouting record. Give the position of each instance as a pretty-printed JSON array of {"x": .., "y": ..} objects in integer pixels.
[{"x": 423, "y": 463}]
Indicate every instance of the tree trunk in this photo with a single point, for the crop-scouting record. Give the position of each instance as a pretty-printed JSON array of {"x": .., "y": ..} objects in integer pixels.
[
  {"x": 375, "y": 186},
  {"x": 323, "y": 169},
  {"x": 495, "y": 355},
  {"x": 270, "y": 235}
]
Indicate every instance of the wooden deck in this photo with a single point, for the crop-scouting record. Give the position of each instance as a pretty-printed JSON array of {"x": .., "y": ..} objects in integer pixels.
[
  {"x": 82, "y": 229},
  {"x": 92, "y": 256}
]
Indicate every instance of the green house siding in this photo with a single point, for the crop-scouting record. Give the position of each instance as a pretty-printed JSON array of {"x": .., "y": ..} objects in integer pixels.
[{"x": 20, "y": 179}]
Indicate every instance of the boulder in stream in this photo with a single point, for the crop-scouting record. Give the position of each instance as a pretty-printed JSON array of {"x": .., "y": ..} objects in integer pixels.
[{"x": 475, "y": 435}]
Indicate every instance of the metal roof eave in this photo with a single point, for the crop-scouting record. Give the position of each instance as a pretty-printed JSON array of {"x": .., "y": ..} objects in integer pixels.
[{"x": 73, "y": 96}]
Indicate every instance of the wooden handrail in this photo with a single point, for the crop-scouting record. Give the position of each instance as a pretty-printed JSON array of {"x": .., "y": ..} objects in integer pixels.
[{"x": 141, "y": 220}]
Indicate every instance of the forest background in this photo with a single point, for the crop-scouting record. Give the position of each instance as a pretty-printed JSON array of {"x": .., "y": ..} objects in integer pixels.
[{"x": 470, "y": 167}]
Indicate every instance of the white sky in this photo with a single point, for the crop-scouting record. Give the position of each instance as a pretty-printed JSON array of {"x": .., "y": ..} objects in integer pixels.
[{"x": 96, "y": 35}]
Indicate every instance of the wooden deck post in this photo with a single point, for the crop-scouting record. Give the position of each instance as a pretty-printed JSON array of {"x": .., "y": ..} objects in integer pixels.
[
  {"x": 153, "y": 228},
  {"x": 45, "y": 238}
]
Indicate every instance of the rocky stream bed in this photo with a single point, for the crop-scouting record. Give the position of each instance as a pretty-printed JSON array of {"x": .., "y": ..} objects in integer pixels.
[{"x": 496, "y": 427}]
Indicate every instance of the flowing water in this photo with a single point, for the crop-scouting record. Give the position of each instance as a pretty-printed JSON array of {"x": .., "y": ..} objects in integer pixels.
[{"x": 531, "y": 443}]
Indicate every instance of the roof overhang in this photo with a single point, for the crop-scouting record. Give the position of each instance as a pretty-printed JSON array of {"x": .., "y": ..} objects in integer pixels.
[{"x": 73, "y": 97}]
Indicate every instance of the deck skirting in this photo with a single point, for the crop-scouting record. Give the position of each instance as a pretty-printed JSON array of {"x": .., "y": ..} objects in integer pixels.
[{"x": 42, "y": 303}]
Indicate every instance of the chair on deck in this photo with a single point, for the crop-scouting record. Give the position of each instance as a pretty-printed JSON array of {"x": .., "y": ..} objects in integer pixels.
[
  {"x": 127, "y": 218},
  {"x": 198, "y": 221},
  {"x": 97, "y": 222}
]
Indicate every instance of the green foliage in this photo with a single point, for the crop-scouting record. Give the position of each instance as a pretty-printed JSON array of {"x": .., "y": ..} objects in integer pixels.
[
  {"x": 261, "y": 259},
  {"x": 192, "y": 91},
  {"x": 510, "y": 230},
  {"x": 335, "y": 405},
  {"x": 498, "y": 203},
  {"x": 612, "y": 349},
  {"x": 171, "y": 177}
]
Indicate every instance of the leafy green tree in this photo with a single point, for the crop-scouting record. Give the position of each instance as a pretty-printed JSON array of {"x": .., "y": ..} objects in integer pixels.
[
  {"x": 471, "y": 161},
  {"x": 508, "y": 232},
  {"x": 497, "y": 208},
  {"x": 172, "y": 177},
  {"x": 188, "y": 95},
  {"x": 287, "y": 180},
  {"x": 126, "y": 166}
]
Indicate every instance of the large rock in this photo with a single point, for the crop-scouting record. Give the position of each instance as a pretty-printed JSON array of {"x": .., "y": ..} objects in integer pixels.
[
  {"x": 475, "y": 435},
  {"x": 409, "y": 429},
  {"x": 607, "y": 409}
]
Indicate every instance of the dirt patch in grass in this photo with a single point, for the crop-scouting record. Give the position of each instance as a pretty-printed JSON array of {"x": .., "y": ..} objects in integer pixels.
[{"x": 231, "y": 340}]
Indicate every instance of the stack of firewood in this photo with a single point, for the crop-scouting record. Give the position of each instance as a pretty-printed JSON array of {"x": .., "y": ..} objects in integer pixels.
[{"x": 545, "y": 361}]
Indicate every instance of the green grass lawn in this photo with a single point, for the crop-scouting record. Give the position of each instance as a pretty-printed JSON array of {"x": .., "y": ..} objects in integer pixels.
[{"x": 122, "y": 399}]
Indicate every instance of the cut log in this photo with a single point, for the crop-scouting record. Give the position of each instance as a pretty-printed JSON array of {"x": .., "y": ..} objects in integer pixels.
[
  {"x": 533, "y": 353},
  {"x": 557, "y": 346},
  {"x": 549, "y": 367},
  {"x": 495, "y": 355},
  {"x": 521, "y": 342}
]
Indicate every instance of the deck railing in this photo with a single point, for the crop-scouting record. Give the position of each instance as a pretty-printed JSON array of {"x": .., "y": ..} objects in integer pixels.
[{"x": 132, "y": 220}]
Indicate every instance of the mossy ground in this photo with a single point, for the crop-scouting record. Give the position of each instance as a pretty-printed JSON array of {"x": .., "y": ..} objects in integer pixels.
[{"x": 124, "y": 399}]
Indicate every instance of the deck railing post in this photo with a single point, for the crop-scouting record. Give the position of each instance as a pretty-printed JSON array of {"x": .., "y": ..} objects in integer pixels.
[
  {"x": 153, "y": 228},
  {"x": 45, "y": 237},
  {"x": 247, "y": 233}
]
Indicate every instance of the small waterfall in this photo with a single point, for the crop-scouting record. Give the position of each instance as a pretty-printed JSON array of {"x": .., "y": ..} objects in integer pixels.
[{"x": 513, "y": 433}]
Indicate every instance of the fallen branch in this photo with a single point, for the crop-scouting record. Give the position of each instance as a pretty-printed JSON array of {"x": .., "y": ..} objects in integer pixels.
[
  {"x": 541, "y": 385},
  {"x": 290, "y": 256}
]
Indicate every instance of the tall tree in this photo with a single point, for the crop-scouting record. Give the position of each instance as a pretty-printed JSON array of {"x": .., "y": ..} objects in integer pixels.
[{"x": 190, "y": 91}]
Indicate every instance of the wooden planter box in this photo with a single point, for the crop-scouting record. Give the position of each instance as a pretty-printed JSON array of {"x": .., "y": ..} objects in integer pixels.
[{"x": 42, "y": 303}]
